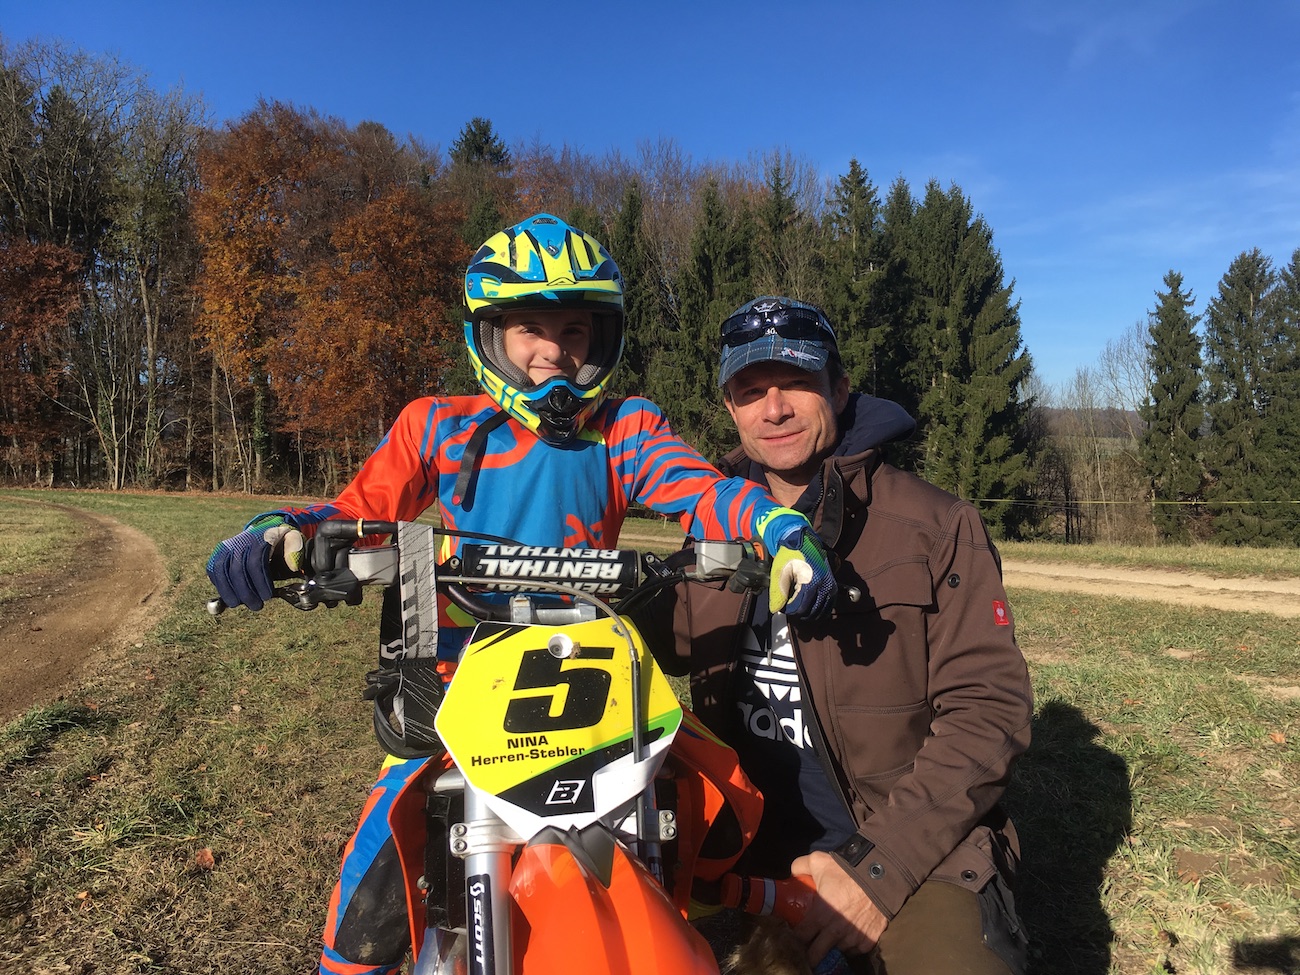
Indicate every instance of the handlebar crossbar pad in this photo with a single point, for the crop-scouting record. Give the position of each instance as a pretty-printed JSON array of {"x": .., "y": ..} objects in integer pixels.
[{"x": 611, "y": 573}]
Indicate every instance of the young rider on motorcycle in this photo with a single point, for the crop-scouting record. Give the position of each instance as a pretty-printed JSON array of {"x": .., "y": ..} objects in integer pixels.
[{"x": 541, "y": 455}]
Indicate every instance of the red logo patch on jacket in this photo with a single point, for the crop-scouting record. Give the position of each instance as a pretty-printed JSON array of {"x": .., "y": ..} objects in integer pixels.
[{"x": 1000, "y": 615}]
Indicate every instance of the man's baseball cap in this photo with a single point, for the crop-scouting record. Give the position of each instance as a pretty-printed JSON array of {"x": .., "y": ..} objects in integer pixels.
[{"x": 774, "y": 329}]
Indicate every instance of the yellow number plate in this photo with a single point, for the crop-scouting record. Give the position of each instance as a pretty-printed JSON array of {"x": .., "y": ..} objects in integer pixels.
[{"x": 552, "y": 736}]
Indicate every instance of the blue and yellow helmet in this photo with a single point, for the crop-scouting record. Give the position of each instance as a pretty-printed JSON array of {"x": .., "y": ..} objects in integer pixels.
[{"x": 543, "y": 264}]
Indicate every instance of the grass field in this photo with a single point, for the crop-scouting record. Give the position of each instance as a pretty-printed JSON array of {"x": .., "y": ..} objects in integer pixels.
[{"x": 183, "y": 811}]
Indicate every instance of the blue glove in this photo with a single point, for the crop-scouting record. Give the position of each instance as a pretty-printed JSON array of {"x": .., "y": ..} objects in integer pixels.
[
  {"x": 240, "y": 566},
  {"x": 802, "y": 583}
]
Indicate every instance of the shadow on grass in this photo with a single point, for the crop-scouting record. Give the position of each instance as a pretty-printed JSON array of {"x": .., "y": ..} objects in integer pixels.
[
  {"x": 1280, "y": 955},
  {"x": 1070, "y": 802}
]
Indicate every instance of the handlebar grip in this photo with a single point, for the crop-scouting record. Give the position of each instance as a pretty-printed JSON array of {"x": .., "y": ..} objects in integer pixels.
[
  {"x": 788, "y": 899},
  {"x": 359, "y": 528}
]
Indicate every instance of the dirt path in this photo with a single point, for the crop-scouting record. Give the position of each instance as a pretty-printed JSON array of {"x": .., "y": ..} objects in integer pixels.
[
  {"x": 110, "y": 599},
  {"x": 1252, "y": 594}
]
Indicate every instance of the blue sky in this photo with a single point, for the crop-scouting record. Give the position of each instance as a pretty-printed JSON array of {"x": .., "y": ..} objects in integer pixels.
[{"x": 1105, "y": 142}]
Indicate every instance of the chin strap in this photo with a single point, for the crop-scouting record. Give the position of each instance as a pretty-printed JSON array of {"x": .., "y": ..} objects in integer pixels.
[{"x": 463, "y": 493}]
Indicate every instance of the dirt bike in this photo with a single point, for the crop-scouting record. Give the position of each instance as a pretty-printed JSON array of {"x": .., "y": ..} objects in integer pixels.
[{"x": 560, "y": 825}]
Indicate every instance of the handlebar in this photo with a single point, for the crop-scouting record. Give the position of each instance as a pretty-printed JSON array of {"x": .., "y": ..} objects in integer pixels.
[{"x": 338, "y": 570}]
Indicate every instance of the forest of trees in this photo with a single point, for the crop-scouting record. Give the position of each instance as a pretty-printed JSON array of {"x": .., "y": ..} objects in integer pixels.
[{"x": 247, "y": 306}]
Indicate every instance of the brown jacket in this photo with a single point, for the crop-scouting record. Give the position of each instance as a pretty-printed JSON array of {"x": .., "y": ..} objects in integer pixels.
[{"x": 921, "y": 697}]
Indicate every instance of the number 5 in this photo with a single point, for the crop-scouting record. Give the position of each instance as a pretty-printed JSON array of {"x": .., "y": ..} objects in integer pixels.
[{"x": 585, "y": 700}]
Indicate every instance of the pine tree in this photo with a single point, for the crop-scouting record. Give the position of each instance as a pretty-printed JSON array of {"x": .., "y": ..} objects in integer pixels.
[
  {"x": 479, "y": 145},
  {"x": 643, "y": 330},
  {"x": 1284, "y": 396},
  {"x": 854, "y": 263},
  {"x": 1244, "y": 493},
  {"x": 714, "y": 280},
  {"x": 480, "y": 179},
  {"x": 974, "y": 403},
  {"x": 1173, "y": 411},
  {"x": 786, "y": 252},
  {"x": 904, "y": 374}
]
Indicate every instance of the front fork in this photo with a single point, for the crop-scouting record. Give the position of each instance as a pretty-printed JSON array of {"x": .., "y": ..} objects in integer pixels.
[
  {"x": 486, "y": 844},
  {"x": 468, "y": 853}
]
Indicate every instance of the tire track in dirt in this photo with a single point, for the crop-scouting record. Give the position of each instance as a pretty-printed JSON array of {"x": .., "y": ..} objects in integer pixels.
[{"x": 109, "y": 597}]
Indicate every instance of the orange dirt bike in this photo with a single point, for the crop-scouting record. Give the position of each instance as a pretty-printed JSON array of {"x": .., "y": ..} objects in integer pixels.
[{"x": 571, "y": 805}]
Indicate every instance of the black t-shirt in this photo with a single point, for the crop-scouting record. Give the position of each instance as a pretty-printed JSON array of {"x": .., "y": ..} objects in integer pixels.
[{"x": 802, "y": 810}]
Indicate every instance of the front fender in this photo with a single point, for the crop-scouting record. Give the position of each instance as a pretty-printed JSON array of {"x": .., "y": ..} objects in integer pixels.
[{"x": 569, "y": 921}]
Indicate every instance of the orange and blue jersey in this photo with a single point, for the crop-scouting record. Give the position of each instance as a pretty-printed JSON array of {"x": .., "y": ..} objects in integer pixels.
[{"x": 574, "y": 495}]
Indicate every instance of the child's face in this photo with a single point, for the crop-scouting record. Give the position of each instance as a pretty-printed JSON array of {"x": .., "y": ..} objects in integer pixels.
[{"x": 548, "y": 344}]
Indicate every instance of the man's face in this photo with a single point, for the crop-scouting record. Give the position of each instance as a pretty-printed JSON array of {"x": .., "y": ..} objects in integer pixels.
[{"x": 786, "y": 416}]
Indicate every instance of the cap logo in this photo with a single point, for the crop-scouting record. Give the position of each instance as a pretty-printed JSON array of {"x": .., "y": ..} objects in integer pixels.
[{"x": 789, "y": 353}]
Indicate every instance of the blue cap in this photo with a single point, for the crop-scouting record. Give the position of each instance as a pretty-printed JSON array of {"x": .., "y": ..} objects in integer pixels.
[{"x": 775, "y": 329}]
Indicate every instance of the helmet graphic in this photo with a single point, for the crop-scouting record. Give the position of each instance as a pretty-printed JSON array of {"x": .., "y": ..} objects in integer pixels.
[{"x": 543, "y": 264}]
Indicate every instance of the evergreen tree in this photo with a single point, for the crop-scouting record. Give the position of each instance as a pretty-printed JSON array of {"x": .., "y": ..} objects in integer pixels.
[
  {"x": 854, "y": 263},
  {"x": 785, "y": 245},
  {"x": 974, "y": 405},
  {"x": 643, "y": 331},
  {"x": 1173, "y": 410},
  {"x": 714, "y": 280},
  {"x": 480, "y": 179},
  {"x": 1284, "y": 396},
  {"x": 483, "y": 220},
  {"x": 903, "y": 374},
  {"x": 1240, "y": 339},
  {"x": 479, "y": 145}
]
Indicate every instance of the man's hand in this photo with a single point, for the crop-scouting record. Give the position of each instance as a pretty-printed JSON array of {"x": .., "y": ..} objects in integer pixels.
[
  {"x": 841, "y": 915},
  {"x": 802, "y": 582},
  {"x": 239, "y": 567}
]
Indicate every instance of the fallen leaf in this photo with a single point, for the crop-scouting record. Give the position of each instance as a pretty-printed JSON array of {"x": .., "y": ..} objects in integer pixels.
[
  {"x": 83, "y": 895},
  {"x": 1278, "y": 737},
  {"x": 204, "y": 859}
]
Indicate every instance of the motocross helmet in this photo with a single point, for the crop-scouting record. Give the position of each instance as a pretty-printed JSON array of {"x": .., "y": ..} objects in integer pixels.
[{"x": 543, "y": 264}]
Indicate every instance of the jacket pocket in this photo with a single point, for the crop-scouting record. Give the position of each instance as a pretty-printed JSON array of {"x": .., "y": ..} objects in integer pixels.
[{"x": 904, "y": 583}]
